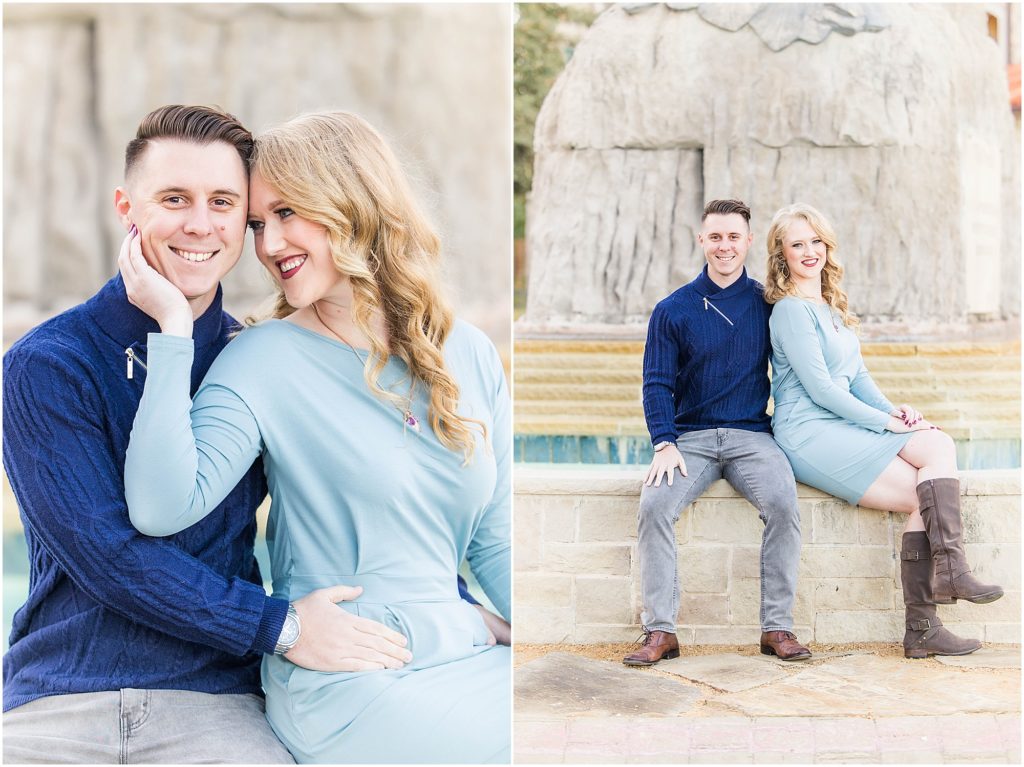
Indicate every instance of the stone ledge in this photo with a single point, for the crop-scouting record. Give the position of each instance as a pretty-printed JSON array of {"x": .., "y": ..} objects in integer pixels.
[
  {"x": 577, "y": 571},
  {"x": 557, "y": 480}
]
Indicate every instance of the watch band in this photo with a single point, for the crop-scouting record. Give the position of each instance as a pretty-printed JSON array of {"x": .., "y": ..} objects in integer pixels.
[
  {"x": 290, "y": 631},
  {"x": 662, "y": 445}
]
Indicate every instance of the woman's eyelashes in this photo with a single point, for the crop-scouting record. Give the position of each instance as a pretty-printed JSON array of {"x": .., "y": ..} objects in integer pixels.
[
  {"x": 281, "y": 213},
  {"x": 799, "y": 245}
]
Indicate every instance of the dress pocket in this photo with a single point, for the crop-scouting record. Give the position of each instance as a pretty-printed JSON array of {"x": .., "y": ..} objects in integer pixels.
[{"x": 438, "y": 632}]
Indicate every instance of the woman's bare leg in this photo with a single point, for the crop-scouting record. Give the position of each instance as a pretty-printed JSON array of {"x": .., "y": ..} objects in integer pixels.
[
  {"x": 928, "y": 454},
  {"x": 933, "y": 452},
  {"x": 895, "y": 489}
]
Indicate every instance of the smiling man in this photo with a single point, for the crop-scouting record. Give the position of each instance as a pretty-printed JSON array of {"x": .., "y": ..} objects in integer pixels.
[
  {"x": 705, "y": 390},
  {"x": 133, "y": 649},
  {"x": 188, "y": 201}
]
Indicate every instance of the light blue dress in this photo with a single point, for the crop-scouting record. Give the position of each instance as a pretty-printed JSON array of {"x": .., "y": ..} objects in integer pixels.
[
  {"x": 358, "y": 498},
  {"x": 829, "y": 415}
]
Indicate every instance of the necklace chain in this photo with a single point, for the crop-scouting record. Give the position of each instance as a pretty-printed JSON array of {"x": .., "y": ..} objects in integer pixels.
[
  {"x": 823, "y": 302},
  {"x": 409, "y": 420}
]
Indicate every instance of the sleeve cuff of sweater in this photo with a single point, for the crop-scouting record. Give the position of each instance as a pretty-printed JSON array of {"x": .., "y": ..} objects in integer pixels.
[
  {"x": 271, "y": 623},
  {"x": 464, "y": 591},
  {"x": 667, "y": 436}
]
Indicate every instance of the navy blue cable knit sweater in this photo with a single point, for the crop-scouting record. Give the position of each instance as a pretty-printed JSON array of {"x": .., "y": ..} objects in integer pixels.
[
  {"x": 706, "y": 360},
  {"x": 109, "y": 607}
]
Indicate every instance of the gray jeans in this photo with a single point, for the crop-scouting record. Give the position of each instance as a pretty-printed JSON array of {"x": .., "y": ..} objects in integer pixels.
[
  {"x": 141, "y": 727},
  {"x": 756, "y": 467}
]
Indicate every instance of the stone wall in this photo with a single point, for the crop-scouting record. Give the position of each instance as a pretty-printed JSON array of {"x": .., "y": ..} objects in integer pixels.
[
  {"x": 901, "y": 133},
  {"x": 78, "y": 78},
  {"x": 577, "y": 575}
]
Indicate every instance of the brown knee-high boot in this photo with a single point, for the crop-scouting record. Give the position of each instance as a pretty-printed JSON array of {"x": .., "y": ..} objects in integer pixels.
[
  {"x": 925, "y": 633},
  {"x": 939, "y": 501}
]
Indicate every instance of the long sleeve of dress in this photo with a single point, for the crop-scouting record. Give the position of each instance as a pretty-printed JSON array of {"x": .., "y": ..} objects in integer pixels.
[
  {"x": 180, "y": 464},
  {"x": 490, "y": 549},
  {"x": 863, "y": 387},
  {"x": 794, "y": 329},
  {"x": 661, "y": 365},
  {"x": 57, "y": 455}
]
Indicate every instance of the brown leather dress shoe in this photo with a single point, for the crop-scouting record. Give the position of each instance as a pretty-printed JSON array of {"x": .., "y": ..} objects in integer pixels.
[
  {"x": 657, "y": 645},
  {"x": 783, "y": 645}
]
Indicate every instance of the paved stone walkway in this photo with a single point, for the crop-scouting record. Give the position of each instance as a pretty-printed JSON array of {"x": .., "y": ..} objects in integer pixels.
[{"x": 838, "y": 707}]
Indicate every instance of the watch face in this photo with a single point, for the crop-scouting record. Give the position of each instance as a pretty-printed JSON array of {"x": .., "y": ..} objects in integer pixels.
[{"x": 290, "y": 631}]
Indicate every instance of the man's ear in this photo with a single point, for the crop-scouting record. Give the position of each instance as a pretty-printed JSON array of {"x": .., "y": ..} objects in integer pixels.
[{"x": 123, "y": 207}]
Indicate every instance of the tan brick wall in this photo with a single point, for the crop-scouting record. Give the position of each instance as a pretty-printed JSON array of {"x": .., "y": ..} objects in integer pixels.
[{"x": 577, "y": 575}]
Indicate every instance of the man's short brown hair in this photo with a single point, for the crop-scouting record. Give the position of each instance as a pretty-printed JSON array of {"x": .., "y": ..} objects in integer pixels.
[
  {"x": 725, "y": 207},
  {"x": 196, "y": 124}
]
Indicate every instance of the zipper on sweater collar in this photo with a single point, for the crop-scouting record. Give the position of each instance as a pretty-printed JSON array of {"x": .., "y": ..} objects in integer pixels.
[
  {"x": 133, "y": 357},
  {"x": 707, "y": 303}
]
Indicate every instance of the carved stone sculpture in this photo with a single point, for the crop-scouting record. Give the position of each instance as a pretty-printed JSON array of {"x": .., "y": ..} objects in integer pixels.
[{"x": 892, "y": 121}]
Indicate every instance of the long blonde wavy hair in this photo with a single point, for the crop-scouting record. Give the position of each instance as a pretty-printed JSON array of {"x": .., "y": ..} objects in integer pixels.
[
  {"x": 778, "y": 284},
  {"x": 334, "y": 169}
]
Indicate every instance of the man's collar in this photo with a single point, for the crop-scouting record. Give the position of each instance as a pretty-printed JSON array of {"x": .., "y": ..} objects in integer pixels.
[
  {"x": 707, "y": 287},
  {"x": 128, "y": 325}
]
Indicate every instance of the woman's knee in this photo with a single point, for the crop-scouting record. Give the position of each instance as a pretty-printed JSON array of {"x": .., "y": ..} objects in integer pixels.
[{"x": 935, "y": 446}]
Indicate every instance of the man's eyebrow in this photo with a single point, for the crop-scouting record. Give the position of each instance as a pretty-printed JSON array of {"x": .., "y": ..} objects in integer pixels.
[{"x": 215, "y": 193}]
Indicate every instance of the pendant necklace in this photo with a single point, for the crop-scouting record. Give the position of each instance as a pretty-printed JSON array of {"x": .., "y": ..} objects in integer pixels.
[{"x": 409, "y": 421}]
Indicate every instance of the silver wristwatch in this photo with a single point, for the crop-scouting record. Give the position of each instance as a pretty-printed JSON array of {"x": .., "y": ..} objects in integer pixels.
[
  {"x": 662, "y": 445},
  {"x": 289, "y": 632}
]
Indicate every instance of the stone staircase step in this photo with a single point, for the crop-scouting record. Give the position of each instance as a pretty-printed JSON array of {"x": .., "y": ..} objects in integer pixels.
[
  {"x": 961, "y": 382},
  {"x": 586, "y": 387},
  {"x": 869, "y": 348},
  {"x": 588, "y": 346},
  {"x": 1008, "y": 394},
  {"x": 538, "y": 375},
  {"x": 631, "y": 393},
  {"x": 597, "y": 408},
  {"x": 975, "y": 411},
  {"x": 570, "y": 392},
  {"x": 571, "y": 361},
  {"x": 590, "y": 385},
  {"x": 1009, "y": 362},
  {"x": 877, "y": 365},
  {"x": 563, "y": 424},
  {"x": 963, "y": 379}
]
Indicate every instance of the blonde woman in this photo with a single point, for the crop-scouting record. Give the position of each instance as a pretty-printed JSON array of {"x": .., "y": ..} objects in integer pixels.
[
  {"x": 384, "y": 428},
  {"x": 843, "y": 436}
]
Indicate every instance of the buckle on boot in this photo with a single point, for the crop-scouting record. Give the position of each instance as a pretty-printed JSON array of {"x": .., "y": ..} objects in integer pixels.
[
  {"x": 914, "y": 556},
  {"x": 922, "y": 625}
]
